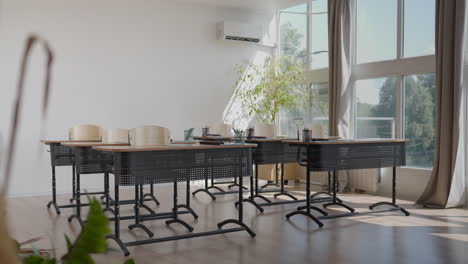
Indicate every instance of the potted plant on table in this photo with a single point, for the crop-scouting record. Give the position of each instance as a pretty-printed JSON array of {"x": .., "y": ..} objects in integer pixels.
[{"x": 266, "y": 89}]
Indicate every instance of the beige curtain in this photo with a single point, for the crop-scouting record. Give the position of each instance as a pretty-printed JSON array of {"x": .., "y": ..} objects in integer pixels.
[
  {"x": 339, "y": 57},
  {"x": 339, "y": 48},
  {"x": 449, "y": 161}
]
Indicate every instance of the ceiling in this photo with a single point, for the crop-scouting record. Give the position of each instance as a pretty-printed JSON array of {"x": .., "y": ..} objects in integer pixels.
[{"x": 251, "y": 4}]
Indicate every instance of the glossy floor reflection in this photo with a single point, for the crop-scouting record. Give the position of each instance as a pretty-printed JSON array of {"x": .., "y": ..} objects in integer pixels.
[{"x": 427, "y": 236}]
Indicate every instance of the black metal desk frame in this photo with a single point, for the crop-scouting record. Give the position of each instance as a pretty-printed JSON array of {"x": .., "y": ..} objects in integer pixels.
[
  {"x": 61, "y": 156},
  {"x": 349, "y": 156},
  {"x": 173, "y": 166},
  {"x": 90, "y": 161},
  {"x": 275, "y": 152},
  {"x": 210, "y": 184}
]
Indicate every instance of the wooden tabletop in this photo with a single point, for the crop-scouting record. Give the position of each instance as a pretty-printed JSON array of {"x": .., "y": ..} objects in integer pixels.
[
  {"x": 169, "y": 147},
  {"x": 92, "y": 144},
  {"x": 347, "y": 141},
  {"x": 288, "y": 140},
  {"x": 66, "y": 141}
]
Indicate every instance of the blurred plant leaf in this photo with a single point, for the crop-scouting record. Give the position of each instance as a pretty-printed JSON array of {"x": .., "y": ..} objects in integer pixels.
[
  {"x": 34, "y": 259},
  {"x": 92, "y": 238}
]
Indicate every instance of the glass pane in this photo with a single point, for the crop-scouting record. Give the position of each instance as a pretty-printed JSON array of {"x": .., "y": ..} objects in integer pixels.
[
  {"x": 319, "y": 105},
  {"x": 376, "y": 30},
  {"x": 293, "y": 40},
  {"x": 376, "y": 108},
  {"x": 312, "y": 110},
  {"x": 420, "y": 119},
  {"x": 319, "y": 41},
  {"x": 298, "y": 8},
  {"x": 319, "y": 6},
  {"x": 419, "y": 28},
  {"x": 293, "y": 119}
]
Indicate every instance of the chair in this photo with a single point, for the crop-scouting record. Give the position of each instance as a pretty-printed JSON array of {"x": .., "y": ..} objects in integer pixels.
[
  {"x": 115, "y": 136},
  {"x": 85, "y": 132},
  {"x": 149, "y": 135}
]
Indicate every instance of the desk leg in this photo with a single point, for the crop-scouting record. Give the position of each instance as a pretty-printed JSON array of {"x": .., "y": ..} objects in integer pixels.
[
  {"x": 213, "y": 186},
  {"x": 107, "y": 195},
  {"x": 253, "y": 187},
  {"x": 283, "y": 192},
  {"x": 257, "y": 192},
  {"x": 335, "y": 199},
  {"x": 137, "y": 224},
  {"x": 329, "y": 193},
  {"x": 175, "y": 210},
  {"x": 308, "y": 199},
  {"x": 187, "y": 200},
  {"x": 116, "y": 235},
  {"x": 240, "y": 212},
  {"x": 273, "y": 183},
  {"x": 236, "y": 184},
  {"x": 54, "y": 193},
  {"x": 151, "y": 195},
  {"x": 77, "y": 215},
  {"x": 205, "y": 190},
  {"x": 393, "y": 203},
  {"x": 141, "y": 201},
  {"x": 73, "y": 185}
]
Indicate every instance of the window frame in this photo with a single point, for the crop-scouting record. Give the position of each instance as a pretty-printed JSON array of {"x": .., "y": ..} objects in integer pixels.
[{"x": 399, "y": 68}]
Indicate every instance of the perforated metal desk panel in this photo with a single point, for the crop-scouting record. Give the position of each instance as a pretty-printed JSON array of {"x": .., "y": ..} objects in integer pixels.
[
  {"x": 348, "y": 155},
  {"x": 162, "y": 164},
  {"x": 138, "y": 165},
  {"x": 61, "y": 155},
  {"x": 90, "y": 161},
  {"x": 275, "y": 150},
  {"x": 353, "y": 154}
]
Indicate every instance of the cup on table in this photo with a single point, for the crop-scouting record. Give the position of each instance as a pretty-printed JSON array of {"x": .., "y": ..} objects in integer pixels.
[
  {"x": 250, "y": 132},
  {"x": 306, "y": 135},
  {"x": 205, "y": 131}
]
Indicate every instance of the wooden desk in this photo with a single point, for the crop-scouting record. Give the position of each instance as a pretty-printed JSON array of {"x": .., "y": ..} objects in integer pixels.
[
  {"x": 274, "y": 151},
  {"x": 138, "y": 165},
  {"x": 61, "y": 156},
  {"x": 348, "y": 155},
  {"x": 89, "y": 161}
]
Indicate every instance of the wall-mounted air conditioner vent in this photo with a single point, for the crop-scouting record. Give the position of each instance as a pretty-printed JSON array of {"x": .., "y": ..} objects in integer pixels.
[{"x": 228, "y": 30}]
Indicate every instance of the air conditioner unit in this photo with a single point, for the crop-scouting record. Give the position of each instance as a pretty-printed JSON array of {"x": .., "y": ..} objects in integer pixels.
[{"x": 228, "y": 30}]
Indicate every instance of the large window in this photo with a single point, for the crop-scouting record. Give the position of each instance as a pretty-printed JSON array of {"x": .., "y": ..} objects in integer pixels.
[
  {"x": 394, "y": 76},
  {"x": 420, "y": 119},
  {"x": 311, "y": 110},
  {"x": 376, "y": 108},
  {"x": 303, "y": 36}
]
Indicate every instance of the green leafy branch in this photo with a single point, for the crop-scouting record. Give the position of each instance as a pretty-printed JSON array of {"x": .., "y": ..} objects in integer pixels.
[
  {"x": 91, "y": 240},
  {"x": 266, "y": 89}
]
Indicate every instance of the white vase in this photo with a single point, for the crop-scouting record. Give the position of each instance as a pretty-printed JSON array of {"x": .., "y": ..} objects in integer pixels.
[{"x": 265, "y": 130}]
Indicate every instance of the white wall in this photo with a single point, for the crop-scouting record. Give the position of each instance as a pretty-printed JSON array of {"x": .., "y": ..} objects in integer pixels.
[{"x": 119, "y": 64}]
